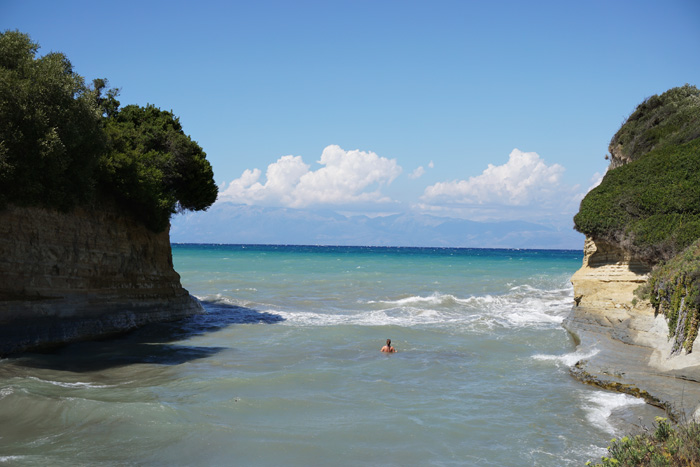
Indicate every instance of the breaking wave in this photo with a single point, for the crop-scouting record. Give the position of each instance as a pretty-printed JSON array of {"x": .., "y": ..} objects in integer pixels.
[
  {"x": 77, "y": 385},
  {"x": 599, "y": 406},
  {"x": 568, "y": 360},
  {"x": 522, "y": 306}
]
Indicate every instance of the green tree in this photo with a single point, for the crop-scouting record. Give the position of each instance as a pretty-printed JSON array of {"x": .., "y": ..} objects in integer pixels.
[
  {"x": 50, "y": 131},
  {"x": 153, "y": 167},
  {"x": 63, "y": 143}
]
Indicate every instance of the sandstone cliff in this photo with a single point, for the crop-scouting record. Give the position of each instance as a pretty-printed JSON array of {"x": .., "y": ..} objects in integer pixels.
[
  {"x": 82, "y": 275},
  {"x": 609, "y": 276},
  {"x": 627, "y": 342}
]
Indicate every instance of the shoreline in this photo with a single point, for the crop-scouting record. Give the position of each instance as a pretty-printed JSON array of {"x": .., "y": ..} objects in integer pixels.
[{"x": 618, "y": 364}]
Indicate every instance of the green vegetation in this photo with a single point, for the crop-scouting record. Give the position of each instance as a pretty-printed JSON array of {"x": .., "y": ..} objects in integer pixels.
[
  {"x": 153, "y": 167},
  {"x": 666, "y": 446},
  {"x": 64, "y": 144},
  {"x": 671, "y": 119},
  {"x": 674, "y": 290},
  {"x": 650, "y": 205},
  {"x": 50, "y": 130}
]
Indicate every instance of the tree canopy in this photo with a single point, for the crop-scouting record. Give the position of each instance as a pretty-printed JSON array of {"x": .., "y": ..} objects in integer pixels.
[
  {"x": 50, "y": 129},
  {"x": 63, "y": 143},
  {"x": 153, "y": 167}
]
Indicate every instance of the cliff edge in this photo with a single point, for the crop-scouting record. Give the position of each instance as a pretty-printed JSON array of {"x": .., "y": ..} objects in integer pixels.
[
  {"x": 636, "y": 307},
  {"x": 87, "y": 188},
  {"x": 82, "y": 275}
]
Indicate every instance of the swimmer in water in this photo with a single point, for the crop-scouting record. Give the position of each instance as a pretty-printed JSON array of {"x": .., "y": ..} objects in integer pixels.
[{"x": 388, "y": 348}]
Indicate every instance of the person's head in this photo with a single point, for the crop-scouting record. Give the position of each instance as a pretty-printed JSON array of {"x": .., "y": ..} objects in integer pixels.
[{"x": 388, "y": 342}]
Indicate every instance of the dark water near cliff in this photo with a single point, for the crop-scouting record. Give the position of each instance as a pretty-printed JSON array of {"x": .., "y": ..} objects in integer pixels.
[{"x": 285, "y": 368}]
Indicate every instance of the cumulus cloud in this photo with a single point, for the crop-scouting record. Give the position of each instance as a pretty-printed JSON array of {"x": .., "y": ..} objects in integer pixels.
[
  {"x": 346, "y": 177},
  {"x": 523, "y": 188},
  {"x": 523, "y": 180}
]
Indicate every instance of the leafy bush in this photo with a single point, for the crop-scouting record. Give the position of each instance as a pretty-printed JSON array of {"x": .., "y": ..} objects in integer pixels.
[
  {"x": 64, "y": 144},
  {"x": 649, "y": 206},
  {"x": 666, "y": 446},
  {"x": 674, "y": 290},
  {"x": 670, "y": 119}
]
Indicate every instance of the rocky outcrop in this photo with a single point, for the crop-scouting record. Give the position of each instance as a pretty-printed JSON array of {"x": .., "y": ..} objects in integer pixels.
[
  {"x": 608, "y": 278},
  {"x": 617, "y": 157},
  {"x": 627, "y": 342},
  {"x": 82, "y": 275}
]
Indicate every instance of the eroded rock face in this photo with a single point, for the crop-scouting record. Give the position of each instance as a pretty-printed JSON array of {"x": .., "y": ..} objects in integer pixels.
[
  {"x": 608, "y": 278},
  {"x": 617, "y": 158},
  {"x": 82, "y": 275}
]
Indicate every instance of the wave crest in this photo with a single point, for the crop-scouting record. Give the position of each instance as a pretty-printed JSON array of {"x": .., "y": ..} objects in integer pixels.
[{"x": 522, "y": 306}]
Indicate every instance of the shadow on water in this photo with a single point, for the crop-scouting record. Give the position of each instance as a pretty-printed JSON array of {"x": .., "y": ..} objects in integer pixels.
[{"x": 150, "y": 344}]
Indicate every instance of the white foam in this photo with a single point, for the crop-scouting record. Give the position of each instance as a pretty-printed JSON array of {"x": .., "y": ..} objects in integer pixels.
[
  {"x": 569, "y": 359},
  {"x": 434, "y": 299},
  {"x": 599, "y": 406},
  {"x": 523, "y": 306},
  {"x": 366, "y": 318},
  {"x": 223, "y": 299},
  {"x": 72, "y": 385},
  {"x": 4, "y": 392}
]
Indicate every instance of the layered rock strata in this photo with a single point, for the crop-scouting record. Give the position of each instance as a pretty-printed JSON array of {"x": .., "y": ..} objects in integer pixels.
[
  {"x": 82, "y": 275},
  {"x": 626, "y": 342}
]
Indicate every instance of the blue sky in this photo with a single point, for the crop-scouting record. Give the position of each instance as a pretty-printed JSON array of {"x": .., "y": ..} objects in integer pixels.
[{"x": 494, "y": 110}]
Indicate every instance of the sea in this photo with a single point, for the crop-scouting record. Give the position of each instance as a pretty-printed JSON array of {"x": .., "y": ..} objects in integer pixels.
[{"x": 284, "y": 368}]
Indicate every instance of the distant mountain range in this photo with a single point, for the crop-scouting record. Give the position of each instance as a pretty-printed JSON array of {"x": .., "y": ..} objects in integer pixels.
[{"x": 242, "y": 224}]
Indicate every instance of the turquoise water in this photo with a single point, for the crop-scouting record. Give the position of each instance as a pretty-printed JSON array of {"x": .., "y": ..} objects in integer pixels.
[{"x": 285, "y": 368}]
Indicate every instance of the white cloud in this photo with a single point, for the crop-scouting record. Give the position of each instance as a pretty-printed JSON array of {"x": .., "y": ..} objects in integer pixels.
[
  {"x": 525, "y": 179},
  {"x": 346, "y": 177},
  {"x": 420, "y": 171},
  {"x": 523, "y": 188},
  {"x": 417, "y": 173}
]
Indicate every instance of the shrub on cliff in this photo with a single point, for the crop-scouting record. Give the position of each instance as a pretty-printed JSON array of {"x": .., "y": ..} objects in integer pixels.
[
  {"x": 670, "y": 119},
  {"x": 64, "y": 144},
  {"x": 650, "y": 206},
  {"x": 674, "y": 291}
]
